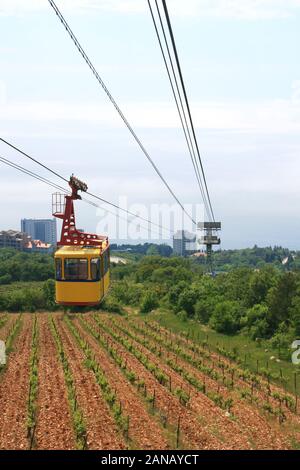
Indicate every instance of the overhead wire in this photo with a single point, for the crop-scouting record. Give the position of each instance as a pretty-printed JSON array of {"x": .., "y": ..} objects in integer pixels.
[
  {"x": 32, "y": 174},
  {"x": 33, "y": 159},
  {"x": 124, "y": 119},
  {"x": 187, "y": 102},
  {"x": 55, "y": 186},
  {"x": 105, "y": 201},
  {"x": 179, "y": 105}
]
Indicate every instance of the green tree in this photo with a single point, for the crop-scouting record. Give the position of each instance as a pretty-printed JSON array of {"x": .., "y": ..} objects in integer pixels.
[
  {"x": 149, "y": 302},
  {"x": 279, "y": 300},
  {"x": 5, "y": 279},
  {"x": 204, "y": 309},
  {"x": 260, "y": 284},
  {"x": 186, "y": 301},
  {"x": 257, "y": 323},
  {"x": 152, "y": 250},
  {"x": 226, "y": 317},
  {"x": 294, "y": 314}
]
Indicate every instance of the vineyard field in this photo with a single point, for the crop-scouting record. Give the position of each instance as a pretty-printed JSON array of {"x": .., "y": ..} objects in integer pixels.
[{"x": 104, "y": 381}]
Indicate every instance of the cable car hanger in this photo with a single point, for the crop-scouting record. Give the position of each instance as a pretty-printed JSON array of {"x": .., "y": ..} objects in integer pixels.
[{"x": 63, "y": 208}]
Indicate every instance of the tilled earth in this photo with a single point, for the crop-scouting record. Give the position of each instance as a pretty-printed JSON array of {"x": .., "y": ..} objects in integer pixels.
[{"x": 156, "y": 417}]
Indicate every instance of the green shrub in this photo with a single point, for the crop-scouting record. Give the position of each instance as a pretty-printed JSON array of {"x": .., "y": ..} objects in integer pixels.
[
  {"x": 5, "y": 279},
  {"x": 149, "y": 302},
  {"x": 111, "y": 305},
  {"x": 226, "y": 317}
]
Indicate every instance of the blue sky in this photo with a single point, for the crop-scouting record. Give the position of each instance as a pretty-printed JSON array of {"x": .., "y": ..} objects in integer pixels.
[{"x": 242, "y": 72}]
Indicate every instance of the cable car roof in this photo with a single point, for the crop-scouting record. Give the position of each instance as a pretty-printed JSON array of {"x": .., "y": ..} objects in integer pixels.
[{"x": 79, "y": 250}]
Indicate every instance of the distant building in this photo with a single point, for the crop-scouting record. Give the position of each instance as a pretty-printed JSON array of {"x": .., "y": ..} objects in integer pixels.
[
  {"x": 184, "y": 243},
  {"x": 37, "y": 246},
  {"x": 14, "y": 239},
  {"x": 23, "y": 242},
  {"x": 200, "y": 254},
  {"x": 40, "y": 229}
]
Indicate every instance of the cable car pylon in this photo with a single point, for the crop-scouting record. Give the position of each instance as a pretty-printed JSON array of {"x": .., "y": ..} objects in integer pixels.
[{"x": 209, "y": 239}]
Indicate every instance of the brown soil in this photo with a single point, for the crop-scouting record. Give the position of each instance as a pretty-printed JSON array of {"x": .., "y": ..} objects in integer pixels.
[
  {"x": 14, "y": 388},
  {"x": 54, "y": 428},
  {"x": 250, "y": 430},
  {"x": 143, "y": 429},
  {"x": 102, "y": 432}
]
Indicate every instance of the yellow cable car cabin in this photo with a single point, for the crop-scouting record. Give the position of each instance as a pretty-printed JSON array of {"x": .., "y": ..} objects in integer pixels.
[
  {"x": 82, "y": 259},
  {"x": 82, "y": 275}
]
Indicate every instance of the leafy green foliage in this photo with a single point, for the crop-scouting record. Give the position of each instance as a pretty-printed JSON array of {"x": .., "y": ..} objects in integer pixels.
[
  {"x": 5, "y": 279},
  {"x": 226, "y": 317},
  {"x": 257, "y": 302},
  {"x": 20, "y": 266},
  {"x": 27, "y": 300},
  {"x": 149, "y": 302}
]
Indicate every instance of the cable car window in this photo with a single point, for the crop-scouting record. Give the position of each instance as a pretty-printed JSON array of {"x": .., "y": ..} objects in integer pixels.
[
  {"x": 95, "y": 269},
  {"x": 105, "y": 261},
  {"x": 76, "y": 269},
  {"x": 58, "y": 269}
]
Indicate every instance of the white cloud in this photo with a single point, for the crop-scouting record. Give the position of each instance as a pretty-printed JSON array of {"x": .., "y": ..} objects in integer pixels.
[
  {"x": 238, "y": 9},
  {"x": 278, "y": 116}
]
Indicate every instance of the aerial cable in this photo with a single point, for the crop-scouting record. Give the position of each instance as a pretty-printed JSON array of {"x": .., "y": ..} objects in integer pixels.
[
  {"x": 33, "y": 159},
  {"x": 32, "y": 174},
  {"x": 56, "y": 186},
  {"x": 186, "y": 100},
  {"x": 181, "y": 112},
  {"x": 126, "y": 122},
  {"x": 90, "y": 194}
]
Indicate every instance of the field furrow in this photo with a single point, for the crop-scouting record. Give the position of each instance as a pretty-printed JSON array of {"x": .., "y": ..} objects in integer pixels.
[
  {"x": 7, "y": 325},
  {"x": 104, "y": 381},
  {"x": 196, "y": 427},
  {"x": 144, "y": 431},
  {"x": 102, "y": 432},
  {"x": 252, "y": 411},
  {"x": 14, "y": 388},
  {"x": 249, "y": 429},
  {"x": 168, "y": 406},
  {"x": 54, "y": 425}
]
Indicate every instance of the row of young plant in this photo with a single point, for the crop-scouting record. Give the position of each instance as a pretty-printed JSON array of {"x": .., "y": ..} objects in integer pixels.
[
  {"x": 181, "y": 352},
  {"x": 247, "y": 376},
  {"x": 148, "y": 395},
  {"x": 246, "y": 373},
  {"x": 33, "y": 385},
  {"x": 160, "y": 376},
  {"x": 156, "y": 371},
  {"x": 10, "y": 338},
  {"x": 216, "y": 397},
  {"x": 179, "y": 345},
  {"x": 193, "y": 354},
  {"x": 76, "y": 414},
  {"x": 108, "y": 393},
  {"x": 13, "y": 332},
  {"x": 3, "y": 320}
]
